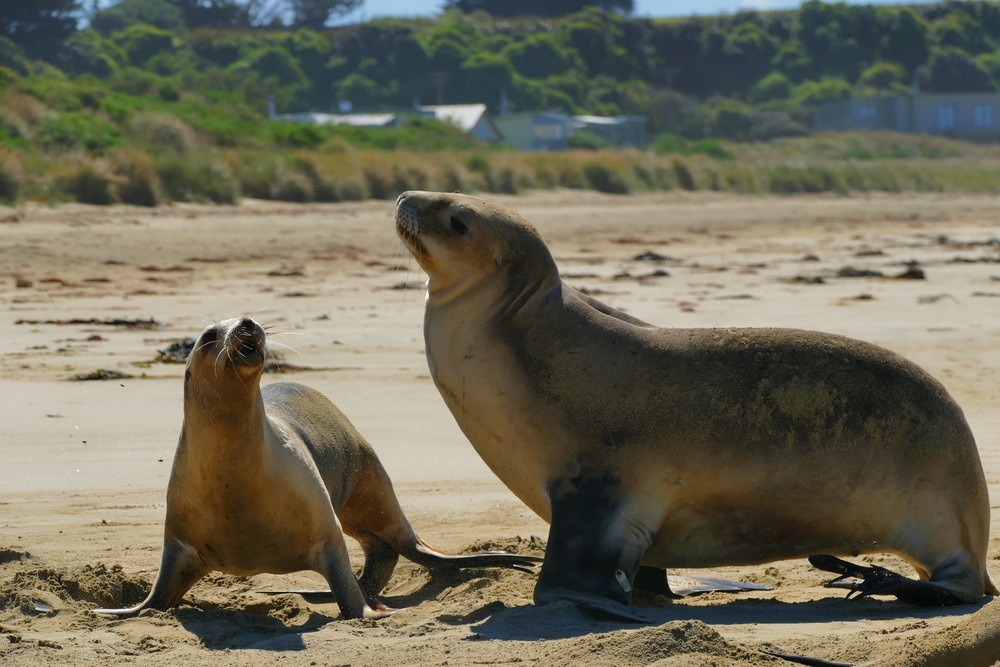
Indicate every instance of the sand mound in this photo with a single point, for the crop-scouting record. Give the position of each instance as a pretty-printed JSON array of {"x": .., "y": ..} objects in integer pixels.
[
  {"x": 97, "y": 585},
  {"x": 973, "y": 642}
]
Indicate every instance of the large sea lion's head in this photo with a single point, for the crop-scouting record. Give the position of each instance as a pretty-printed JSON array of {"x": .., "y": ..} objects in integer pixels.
[
  {"x": 227, "y": 357},
  {"x": 462, "y": 241}
]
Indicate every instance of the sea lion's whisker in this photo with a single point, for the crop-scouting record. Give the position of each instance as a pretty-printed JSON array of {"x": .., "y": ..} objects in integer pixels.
[
  {"x": 287, "y": 347},
  {"x": 202, "y": 346}
]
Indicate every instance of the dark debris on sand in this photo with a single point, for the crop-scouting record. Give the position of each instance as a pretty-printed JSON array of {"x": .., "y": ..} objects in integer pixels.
[
  {"x": 101, "y": 374},
  {"x": 93, "y": 321}
]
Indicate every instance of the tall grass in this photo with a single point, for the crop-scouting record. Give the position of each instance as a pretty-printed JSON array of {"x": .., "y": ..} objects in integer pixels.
[{"x": 197, "y": 173}]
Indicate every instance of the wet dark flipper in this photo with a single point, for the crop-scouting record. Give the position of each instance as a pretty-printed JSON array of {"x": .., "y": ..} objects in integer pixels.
[
  {"x": 593, "y": 550},
  {"x": 877, "y": 580},
  {"x": 810, "y": 662},
  {"x": 428, "y": 556}
]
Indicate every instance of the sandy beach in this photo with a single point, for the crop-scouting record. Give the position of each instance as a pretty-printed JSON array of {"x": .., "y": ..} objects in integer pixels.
[{"x": 84, "y": 464}]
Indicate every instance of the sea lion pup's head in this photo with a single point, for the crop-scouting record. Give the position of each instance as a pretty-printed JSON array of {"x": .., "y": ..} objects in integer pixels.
[
  {"x": 460, "y": 241},
  {"x": 228, "y": 356}
]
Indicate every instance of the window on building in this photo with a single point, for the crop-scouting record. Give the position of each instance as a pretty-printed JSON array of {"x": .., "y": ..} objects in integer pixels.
[
  {"x": 868, "y": 112},
  {"x": 983, "y": 116},
  {"x": 946, "y": 117}
]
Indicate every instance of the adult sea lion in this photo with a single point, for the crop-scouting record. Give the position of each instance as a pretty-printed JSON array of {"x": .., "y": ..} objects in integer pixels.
[
  {"x": 648, "y": 447},
  {"x": 269, "y": 480}
]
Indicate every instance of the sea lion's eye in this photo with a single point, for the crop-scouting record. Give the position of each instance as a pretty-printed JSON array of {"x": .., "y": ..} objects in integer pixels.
[
  {"x": 209, "y": 336},
  {"x": 458, "y": 226}
]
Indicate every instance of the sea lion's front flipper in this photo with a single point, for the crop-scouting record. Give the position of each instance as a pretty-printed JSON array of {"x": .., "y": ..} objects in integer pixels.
[
  {"x": 593, "y": 550},
  {"x": 180, "y": 569},
  {"x": 335, "y": 565},
  {"x": 877, "y": 580}
]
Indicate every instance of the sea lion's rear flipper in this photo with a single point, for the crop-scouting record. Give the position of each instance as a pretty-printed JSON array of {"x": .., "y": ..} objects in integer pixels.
[
  {"x": 655, "y": 580},
  {"x": 875, "y": 580},
  {"x": 180, "y": 569},
  {"x": 424, "y": 554}
]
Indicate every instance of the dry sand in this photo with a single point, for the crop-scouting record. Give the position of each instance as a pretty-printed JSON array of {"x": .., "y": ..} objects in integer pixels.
[{"x": 85, "y": 464}]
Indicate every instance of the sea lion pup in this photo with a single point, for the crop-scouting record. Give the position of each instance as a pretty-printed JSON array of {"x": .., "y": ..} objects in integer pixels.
[
  {"x": 647, "y": 448},
  {"x": 269, "y": 480}
]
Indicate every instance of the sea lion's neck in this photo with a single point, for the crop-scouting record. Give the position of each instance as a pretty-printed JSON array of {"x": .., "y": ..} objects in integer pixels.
[{"x": 225, "y": 429}]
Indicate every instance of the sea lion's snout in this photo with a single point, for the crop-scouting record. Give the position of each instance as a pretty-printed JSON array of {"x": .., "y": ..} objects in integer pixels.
[
  {"x": 245, "y": 341},
  {"x": 408, "y": 225},
  {"x": 407, "y": 216}
]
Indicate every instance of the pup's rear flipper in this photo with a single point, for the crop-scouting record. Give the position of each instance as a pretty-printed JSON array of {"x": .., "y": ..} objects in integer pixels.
[
  {"x": 655, "y": 580},
  {"x": 877, "y": 580}
]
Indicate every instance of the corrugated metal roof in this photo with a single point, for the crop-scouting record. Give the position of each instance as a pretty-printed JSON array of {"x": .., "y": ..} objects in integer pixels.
[
  {"x": 357, "y": 119},
  {"x": 463, "y": 116}
]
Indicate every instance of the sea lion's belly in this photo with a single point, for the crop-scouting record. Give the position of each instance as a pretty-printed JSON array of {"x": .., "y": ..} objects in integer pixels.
[{"x": 267, "y": 516}]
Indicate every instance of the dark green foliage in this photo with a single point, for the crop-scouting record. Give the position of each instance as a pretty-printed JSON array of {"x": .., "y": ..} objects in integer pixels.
[
  {"x": 141, "y": 42},
  {"x": 883, "y": 76},
  {"x": 774, "y": 86},
  {"x": 158, "y": 13},
  {"x": 38, "y": 26},
  {"x": 825, "y": 90},
  {"x": 538, "y": 7},
  {"x": 77, "y": 129},
  {"x": 12, "y": 57},
  {"x": 905, "y": 39},
  {"x": 952, "y": 70},
  {"x": 539, "y": 56},
  {"x": 586, "y": 140}
]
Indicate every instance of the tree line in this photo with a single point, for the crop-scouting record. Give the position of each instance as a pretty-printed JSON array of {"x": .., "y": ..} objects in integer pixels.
[{"x": 726, "y": 75}]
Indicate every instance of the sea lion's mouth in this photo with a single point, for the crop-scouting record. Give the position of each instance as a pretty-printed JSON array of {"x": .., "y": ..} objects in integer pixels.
[{"x": 245, "y": 344}]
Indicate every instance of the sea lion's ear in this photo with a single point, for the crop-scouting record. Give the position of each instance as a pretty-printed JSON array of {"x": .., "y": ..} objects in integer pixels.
[{"x": 499, "y": 259}]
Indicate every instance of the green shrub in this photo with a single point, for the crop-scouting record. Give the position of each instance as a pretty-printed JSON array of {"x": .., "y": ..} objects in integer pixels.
[
  {"x": 78, "y": 129},
  {"x": 197, "y": 177},
  {"x": 582, "y": 139},
  {"x": 11, "y": 177},
  {"x": 669, "y": 143},
  {"x": 683, "y": 174},
  {"x": 260, "y": 174},
  {"x": 350, "y": 189},
  {"x": 774, "y": 86},
  {"x": 379, "y": 179},
  {"x": 606, "y": 178},
  {"x": 140, "y": 180},
  {"x": 789, "y": 179},
  {"x": 89, "y": 182},
  {"x": 294, "y": 187},
  {"x": 713, "y": 148},
  {"x": 827, "y": 89},
  {"x": 308, "y": 164},
  {"x": 163, "y": 130}
]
